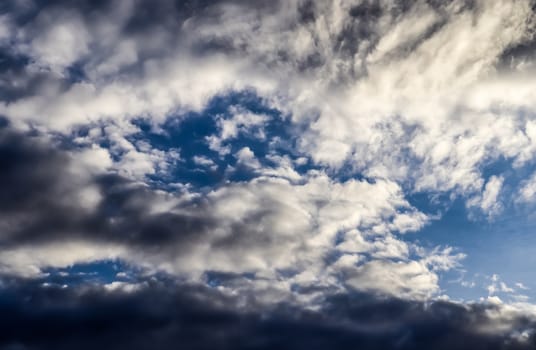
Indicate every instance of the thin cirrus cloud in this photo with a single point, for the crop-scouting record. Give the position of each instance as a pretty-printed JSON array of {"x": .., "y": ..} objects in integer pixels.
[{"x": 262, "y": 174}]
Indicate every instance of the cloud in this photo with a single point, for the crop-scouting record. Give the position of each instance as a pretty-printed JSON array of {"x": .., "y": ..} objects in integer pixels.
[
  {"x": 62, "y": 42},
  {"x": 262, "y": 226},
  {"x": 489, "y": 201},
  {"x": 352, "y": 77},
  {"x": 160, "y": 314},
  {"x": 313, "y": 192},
  {"x": 411, "y": 279},
  {"x": 491, "y": 192},
  {"x": 528, "y": 190},
  {"x": 246, "y": 157},
  {"x": 498, "y": 286}
]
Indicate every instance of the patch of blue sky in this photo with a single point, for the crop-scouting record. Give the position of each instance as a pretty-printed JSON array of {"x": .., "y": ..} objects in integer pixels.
[
  {"x": 502, "y": 244},
  {"x": 95, "y": 272},
  {"x": 348, "y": 172},
  {"x": 75, "y": 73},
  {"x": 206, "y": 168}
]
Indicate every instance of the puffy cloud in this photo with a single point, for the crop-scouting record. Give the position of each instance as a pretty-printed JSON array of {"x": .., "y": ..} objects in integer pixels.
[
  {"x": 246, "y": 157},
  {"x": 528, "y": 190},
  {"x": 412, "y": 279},
  {"x": 61, "y": 42},
  {"x": 241, "y": 121},
  {"x": 489, "y": 201},
  {"x": 262, "y": 226}
]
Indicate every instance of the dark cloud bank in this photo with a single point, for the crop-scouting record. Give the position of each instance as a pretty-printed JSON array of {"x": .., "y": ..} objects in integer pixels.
[
  {"x": 38, "y": 191},
  {"x": 170, "y": 316}
]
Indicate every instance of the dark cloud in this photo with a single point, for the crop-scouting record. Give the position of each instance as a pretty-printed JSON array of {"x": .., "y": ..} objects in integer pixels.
[
  {"x": 14, "y": 80},
  {"x": 164, "y": 315},
  {"x": 40, "y": 203},
  {"x": 29, "y": 175},
  {"x": 366, "y": 9},
  {"x": 38, "y": 191},
  {"x": 520, "y": 53}
]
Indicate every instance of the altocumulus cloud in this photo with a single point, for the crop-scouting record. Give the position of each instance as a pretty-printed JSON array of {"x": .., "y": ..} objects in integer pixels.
[{"x": 249, "y": 168}]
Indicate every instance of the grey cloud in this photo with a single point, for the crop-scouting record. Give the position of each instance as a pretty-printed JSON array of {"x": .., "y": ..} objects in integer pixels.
[
  {"x": 37, "y": 191},
  {"x": 16, "y": 82},
  {"x": 39, "y": 203},
  {"x": 165, "y": 315}
]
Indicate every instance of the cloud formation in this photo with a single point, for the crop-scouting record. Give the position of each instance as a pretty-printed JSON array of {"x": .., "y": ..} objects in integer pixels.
[
  {"x": 278, "y": 152},
  {"x": 200, "y": 318},
  {"x": 262, "y": 226}
]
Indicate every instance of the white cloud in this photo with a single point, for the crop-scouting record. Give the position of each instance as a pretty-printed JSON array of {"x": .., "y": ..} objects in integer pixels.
[
  {"x": 491, "y": 192},
  {"x": 64, "y": 40},
  {"x": 204, "y": 161},
  {"x": 124, "y": 287},
  {"x": 528, "y": 190},
  {"x": 498, "y": 286},
  {"x": 264, "y": 226},
  {"x": 404, "y": 279},
  {"x": 489, "y": 201},
  {"x": 420, "y": 104},
  {"x": 29, "y": 261},
  {"x": 246, "y": 157},
  {"x": 241, "y": 121},
  {"x": 521, "y": 286}
]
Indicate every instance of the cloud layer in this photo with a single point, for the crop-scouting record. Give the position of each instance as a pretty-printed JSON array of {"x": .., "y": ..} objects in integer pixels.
[
  {"x": 194, "y": 317},
  {"x": 267, "y": 156}
]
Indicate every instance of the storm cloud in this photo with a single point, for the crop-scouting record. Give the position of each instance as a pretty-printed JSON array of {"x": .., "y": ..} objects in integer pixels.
[{"x": 197, "y": 317}]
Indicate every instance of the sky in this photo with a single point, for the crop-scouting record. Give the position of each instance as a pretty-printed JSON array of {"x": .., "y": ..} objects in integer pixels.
[{"x": 260, "y": 174}]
